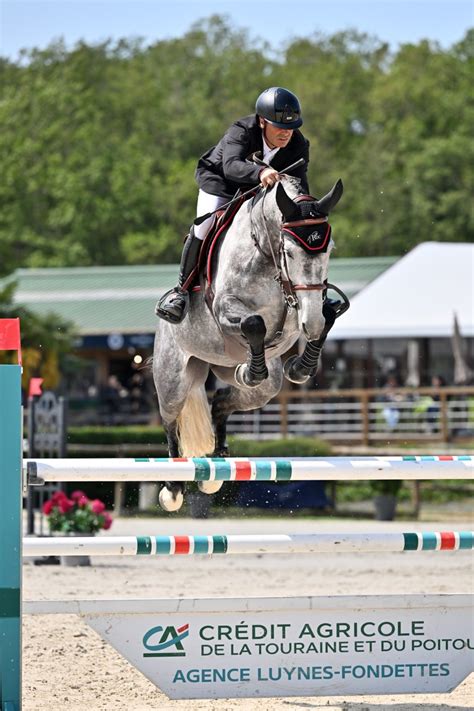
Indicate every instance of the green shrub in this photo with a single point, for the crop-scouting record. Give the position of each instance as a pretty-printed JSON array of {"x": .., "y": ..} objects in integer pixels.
[
  {"x": 116, "y": 435},
  {"x": 290, "y": 447},
  {"x": 386, "y": 487}
]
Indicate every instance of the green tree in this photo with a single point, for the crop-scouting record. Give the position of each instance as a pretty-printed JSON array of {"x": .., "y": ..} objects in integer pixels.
[
  {"x": 46, "y": 340},
  {"x": 99, "y": 144}
]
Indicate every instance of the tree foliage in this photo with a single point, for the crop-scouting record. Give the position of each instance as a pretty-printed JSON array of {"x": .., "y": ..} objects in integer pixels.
[
  {"x": 99, "y": 144},
  {"x": 46, "y": 340}
]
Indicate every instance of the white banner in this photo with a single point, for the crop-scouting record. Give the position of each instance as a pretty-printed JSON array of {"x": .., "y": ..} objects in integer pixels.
[{"x": 271, "y": 647}]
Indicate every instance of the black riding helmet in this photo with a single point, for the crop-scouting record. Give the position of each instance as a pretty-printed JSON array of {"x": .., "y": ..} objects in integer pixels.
[{"x": 279, "y": 107}]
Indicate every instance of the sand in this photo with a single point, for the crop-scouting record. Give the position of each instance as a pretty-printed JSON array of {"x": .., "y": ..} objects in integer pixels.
[{"x": 67, "y": 666}]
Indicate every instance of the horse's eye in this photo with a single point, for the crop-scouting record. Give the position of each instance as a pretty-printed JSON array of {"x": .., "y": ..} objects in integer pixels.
[{"x": 288, "y": 254}]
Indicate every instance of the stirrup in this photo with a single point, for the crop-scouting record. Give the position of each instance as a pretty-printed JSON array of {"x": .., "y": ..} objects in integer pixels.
[{"x": 165, "y": 314}]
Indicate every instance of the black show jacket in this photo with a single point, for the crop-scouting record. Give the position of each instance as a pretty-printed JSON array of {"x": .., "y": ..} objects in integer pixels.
[{"x": 225, "y": 168}]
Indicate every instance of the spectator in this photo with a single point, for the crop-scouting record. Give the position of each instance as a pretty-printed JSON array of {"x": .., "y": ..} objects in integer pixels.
[
  {"x": 110, "y": 398},
  {"x": 432, "y": 411},
  {"x": 391, "y": 412}
]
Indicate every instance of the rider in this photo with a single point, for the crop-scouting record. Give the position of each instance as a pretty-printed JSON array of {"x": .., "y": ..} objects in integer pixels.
[{"x": 227, "y": 167}]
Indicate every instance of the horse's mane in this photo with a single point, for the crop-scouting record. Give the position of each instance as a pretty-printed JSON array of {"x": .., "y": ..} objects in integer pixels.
[{"x": 291, "y": 184}]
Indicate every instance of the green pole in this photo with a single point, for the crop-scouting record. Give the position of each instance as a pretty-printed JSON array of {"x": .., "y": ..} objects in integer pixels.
[{"x": 10, "y": 536}]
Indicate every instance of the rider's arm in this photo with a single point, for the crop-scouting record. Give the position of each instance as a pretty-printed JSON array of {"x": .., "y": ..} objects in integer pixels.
[{"x": 236, "y": 148}]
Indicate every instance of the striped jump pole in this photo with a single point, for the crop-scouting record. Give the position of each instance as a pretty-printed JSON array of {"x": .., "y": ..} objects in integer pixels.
[
  {"x": 250, "y": 544},
  {"x": 40, "y": 471}
]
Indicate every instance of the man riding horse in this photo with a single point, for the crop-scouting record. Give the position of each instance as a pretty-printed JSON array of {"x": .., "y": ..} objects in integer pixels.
[
  {"x": 273, "y": 133},
  {"x": 265, "y": 286}
]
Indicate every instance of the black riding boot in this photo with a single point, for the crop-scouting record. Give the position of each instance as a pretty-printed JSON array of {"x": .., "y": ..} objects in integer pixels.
[{"x": 173, "y": 305}]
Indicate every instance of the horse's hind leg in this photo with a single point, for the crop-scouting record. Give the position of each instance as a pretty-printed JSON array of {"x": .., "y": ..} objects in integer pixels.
[
  {"x": 176, "y": 376},
  {"x": 229, "y": 400},
  {"x": 172, "y": 493},
  {"x": 219, "y": 419}
]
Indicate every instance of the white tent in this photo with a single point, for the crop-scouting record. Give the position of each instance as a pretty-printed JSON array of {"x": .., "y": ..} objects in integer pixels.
[{"x": 417, "y": 297}]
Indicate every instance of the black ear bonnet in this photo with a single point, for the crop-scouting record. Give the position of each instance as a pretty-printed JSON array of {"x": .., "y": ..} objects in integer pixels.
[{"x": 315, "y": 235}]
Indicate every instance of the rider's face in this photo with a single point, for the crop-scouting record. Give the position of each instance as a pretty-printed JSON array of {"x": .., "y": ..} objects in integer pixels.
[{"x": 276, "y": 137}]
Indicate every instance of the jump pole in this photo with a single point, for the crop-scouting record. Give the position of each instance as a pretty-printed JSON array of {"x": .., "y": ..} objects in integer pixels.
[
  {"x": 250, "y": 544},
  {"x": 40, "y": 471}
]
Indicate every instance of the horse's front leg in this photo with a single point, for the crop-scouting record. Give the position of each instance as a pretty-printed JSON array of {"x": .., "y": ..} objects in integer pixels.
[
  {"x": 236, "y": 319},
  {"x": 254, "y": 371},
  {"x": 298, "y": 369}
]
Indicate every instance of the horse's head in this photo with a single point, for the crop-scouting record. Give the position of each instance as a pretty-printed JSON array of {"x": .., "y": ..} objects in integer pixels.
[{"x": 305, "y": 246}]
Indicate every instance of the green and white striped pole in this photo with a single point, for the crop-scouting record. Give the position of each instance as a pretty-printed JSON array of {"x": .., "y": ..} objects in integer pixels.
[
  {"x": 10, "y": 537},
  {"x": 284, "y": 543}
]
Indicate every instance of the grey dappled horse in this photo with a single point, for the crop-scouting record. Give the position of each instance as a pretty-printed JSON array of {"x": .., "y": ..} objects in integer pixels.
[{"x": 269, "y": 287}]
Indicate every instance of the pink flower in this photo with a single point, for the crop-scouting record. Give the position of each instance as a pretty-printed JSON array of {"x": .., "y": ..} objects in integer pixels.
[
  {"x": 76, "y": 495},
  {"x": 82, "y": 502},
  {"x": 47, "y": 507},
  {"x": 65, "y": 505},
  {"x": 97, "y": 506},
  {"x": 107, "y": 521}
]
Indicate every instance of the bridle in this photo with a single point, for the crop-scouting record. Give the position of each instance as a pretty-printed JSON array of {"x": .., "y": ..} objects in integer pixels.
[{"x": 280, "y": 262}]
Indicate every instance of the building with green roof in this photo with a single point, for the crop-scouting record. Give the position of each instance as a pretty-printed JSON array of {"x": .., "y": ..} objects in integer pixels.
[
  {"x": 113, "y": 307},
  {"x": 106, "y": 300}
]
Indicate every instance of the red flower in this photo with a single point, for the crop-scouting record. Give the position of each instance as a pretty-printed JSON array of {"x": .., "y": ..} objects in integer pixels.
[
  {"x": 82, "y": 502},
  {"x": 76, "y": 495},
  {"x": 107, "y": 521},
  {"x": 47, "y": 507},
  {"x": 97, "y": 506},
  {"x": 65, "y": 505},
  {"x": 57, "y": 496}
]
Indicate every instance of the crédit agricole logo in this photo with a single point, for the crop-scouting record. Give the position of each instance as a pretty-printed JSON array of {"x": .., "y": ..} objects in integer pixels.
[{"x": 165, "y": 641}]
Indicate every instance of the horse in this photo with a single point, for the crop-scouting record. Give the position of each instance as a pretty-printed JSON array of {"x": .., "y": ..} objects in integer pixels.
[{"x": 269, "y": 286}]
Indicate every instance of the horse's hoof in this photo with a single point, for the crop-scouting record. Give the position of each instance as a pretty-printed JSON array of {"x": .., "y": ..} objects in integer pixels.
[
  {"x": 169, "y": 501},
  {"x": 292, "y": 374},
  {"x": 209, "y": 487},
  {"x": 222, "y": 453},
  {"x": 242, "y": 377}
]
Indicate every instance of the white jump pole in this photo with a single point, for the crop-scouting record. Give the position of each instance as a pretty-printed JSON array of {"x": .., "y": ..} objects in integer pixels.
[
  {"x": 249, "y": 544},
  {"x": 407, "y": 468}
]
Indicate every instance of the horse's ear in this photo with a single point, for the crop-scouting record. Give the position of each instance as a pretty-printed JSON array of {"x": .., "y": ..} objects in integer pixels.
[
  {"x": 329, "y": 201},
  {"x": 285, "y": 203}
]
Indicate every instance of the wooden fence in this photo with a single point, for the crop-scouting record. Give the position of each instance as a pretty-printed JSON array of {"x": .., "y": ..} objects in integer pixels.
[{"x": 365, "y": 416}]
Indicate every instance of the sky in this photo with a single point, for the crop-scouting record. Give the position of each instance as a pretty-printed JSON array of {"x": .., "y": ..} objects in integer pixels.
[{"x": 35, "y": 23}]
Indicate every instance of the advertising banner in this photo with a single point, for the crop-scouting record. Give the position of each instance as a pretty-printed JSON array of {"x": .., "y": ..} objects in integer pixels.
[{"x": 309, "y": 646}]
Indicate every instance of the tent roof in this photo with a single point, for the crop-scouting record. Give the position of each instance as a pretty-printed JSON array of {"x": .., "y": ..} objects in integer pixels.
[{"x": 416, "y": 297}]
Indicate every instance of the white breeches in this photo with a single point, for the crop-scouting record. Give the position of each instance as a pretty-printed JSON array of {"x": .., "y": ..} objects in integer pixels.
[{"x": 206, "y": 203}]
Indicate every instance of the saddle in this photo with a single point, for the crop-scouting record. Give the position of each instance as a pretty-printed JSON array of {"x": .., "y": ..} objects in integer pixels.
[{"x": 208, "y": 255}]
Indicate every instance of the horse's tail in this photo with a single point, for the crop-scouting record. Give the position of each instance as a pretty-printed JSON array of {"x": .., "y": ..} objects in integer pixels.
[{"x": 194, "y": 426}]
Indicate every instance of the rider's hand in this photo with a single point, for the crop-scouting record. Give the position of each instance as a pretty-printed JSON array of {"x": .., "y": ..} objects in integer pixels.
[{"x": 268, "y": 177}]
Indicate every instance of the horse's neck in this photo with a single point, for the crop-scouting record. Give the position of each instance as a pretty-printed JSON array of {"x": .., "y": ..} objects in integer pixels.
[{"x": 252, "y": 226}]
